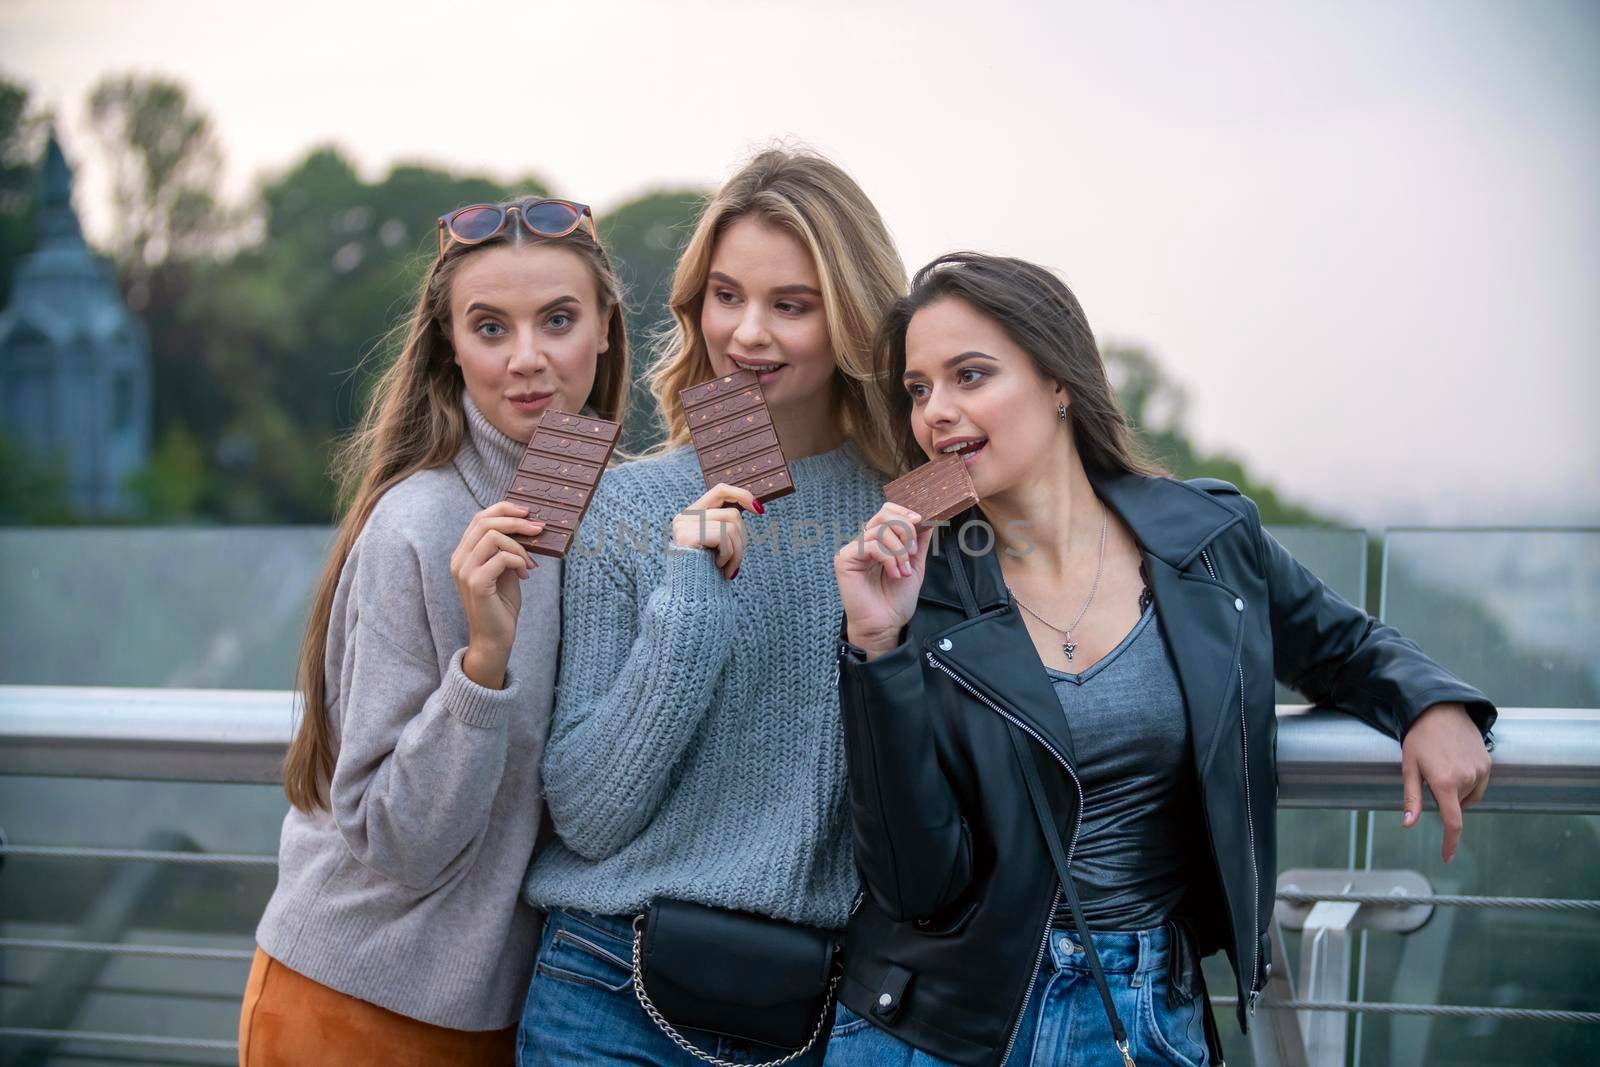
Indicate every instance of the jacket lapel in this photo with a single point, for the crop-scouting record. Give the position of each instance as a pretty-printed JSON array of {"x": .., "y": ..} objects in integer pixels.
[
  {"x": 1204, "y": 632},
  {"x": 994, "y": 653},
  {"x": 992, "y": 650}
]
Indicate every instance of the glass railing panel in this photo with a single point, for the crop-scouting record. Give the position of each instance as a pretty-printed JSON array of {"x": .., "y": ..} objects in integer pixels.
[
  {"x": 184, "y": 905},
  {"x": 1517, "y": 613},
  {"x": 210, "y": 608},
  {"x": 1338, "y": 557}
]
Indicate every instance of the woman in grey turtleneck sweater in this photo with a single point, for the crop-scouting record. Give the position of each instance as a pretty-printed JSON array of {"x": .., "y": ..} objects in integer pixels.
[{"x": 395, "y": 935}]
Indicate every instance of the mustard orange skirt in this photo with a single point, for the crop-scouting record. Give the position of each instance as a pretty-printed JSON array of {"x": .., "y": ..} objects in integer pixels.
[{"x": 287, "y": 1020}]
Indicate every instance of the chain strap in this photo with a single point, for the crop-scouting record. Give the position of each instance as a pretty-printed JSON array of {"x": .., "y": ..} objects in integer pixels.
[{"x": 684, "y": 1043}]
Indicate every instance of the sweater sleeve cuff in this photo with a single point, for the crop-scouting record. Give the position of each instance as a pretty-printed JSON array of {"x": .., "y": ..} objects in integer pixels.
[
  {"x": 474, "y": 704},
  {"x": 692, "y": 575}
]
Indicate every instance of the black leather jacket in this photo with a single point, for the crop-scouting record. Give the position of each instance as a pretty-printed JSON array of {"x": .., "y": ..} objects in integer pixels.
[{"x": 959, "y": 889}]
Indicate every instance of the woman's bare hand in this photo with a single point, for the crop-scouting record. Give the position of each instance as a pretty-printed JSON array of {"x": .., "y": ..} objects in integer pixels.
[
  {"x": 879, "y": 576},
  {"x": 489, "y": 567},
  {"x": 715, "y": 522}
]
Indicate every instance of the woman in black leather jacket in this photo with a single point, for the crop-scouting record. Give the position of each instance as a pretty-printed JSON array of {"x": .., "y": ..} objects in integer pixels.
[{"x": 1078, "y": 679}]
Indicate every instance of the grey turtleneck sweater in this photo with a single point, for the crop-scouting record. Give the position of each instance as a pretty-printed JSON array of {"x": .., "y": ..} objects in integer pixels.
[{"x": 406, "y": 893}]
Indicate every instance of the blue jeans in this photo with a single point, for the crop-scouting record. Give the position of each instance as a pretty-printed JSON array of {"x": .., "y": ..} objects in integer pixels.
[
  {"x": 1065, "y": 1024},
  {"x": 581, "y": 1009}
]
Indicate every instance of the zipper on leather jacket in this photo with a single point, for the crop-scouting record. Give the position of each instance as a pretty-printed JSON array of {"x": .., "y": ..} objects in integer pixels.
[
  {"x": 1250, "y": 828},
  {"x": 1077, "y": 823}
]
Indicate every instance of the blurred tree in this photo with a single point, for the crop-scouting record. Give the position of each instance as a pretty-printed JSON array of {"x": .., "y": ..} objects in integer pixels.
[
  {"x": 269, "y": 324},
  {"x": 165, "y": 163},
  {"x": 21, "y": 141},
  {"x": 175, "y": 481},
  {"x": 170, "y": 235},
  {"x": 297, "y": 323},
  {"x": 644, "y": 237},
  {"x": 1158, "y": 408},
  {"x": 33, "y": 488}
]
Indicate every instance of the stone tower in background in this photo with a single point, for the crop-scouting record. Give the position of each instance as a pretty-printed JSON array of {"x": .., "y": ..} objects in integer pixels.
[{"x": 74, "y": 362}]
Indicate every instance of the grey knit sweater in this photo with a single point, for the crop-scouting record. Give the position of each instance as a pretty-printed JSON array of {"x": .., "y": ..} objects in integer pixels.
[
  {"x": 695, "y": 751},
  {"x": 406, "y": 894}
]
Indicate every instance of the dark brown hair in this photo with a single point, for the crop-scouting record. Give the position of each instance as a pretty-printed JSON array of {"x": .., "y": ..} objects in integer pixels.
[
  {"x": 1040, "y": 314},
  {"x": 415, "y": 421}
]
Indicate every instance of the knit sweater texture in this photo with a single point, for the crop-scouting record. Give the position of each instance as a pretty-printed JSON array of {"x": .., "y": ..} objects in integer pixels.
[
  {"x": 695, "y": 751},
  {"x": 406, "y": 893}
]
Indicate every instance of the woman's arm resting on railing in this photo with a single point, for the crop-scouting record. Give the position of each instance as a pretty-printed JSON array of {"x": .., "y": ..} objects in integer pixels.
[{"x": 1341, "y": 657}]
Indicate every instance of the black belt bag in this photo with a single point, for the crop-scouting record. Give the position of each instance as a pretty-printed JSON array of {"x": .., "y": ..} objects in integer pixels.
[{"x": 734, "y": 974}]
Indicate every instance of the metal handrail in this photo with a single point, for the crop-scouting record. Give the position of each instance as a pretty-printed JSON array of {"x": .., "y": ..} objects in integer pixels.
[
  {"x": 1545, "y": 759},
  {"x": 187, "y": 735},
  {"x": 1441, "y": 1011},
  {"x": 127, "y": 948},
  {"x": 101, "y": 1037},
  {"x": 139, "y": 855}
]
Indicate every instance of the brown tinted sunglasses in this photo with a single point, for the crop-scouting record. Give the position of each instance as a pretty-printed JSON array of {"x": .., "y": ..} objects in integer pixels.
[{"x": 476, "y": 223}]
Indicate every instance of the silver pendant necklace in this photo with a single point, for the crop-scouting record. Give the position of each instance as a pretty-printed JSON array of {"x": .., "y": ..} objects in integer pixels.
[{"x": 1069, "y": 646}]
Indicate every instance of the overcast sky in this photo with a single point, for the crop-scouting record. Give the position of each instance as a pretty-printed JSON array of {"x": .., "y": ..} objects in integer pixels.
[{"x": 1365, "y": 236}]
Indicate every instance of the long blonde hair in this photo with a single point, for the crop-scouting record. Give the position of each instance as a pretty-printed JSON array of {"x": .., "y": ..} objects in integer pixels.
[
  {"x": 415, "y": 421},
  {"x": 861, "y": 274}
]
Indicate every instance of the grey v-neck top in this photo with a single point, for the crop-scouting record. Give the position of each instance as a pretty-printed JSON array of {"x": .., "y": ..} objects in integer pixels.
[{"x": 1131, "y": 735}]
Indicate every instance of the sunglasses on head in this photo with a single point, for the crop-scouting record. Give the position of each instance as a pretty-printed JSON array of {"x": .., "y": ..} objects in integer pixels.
[{"x": 543, "y": 217}]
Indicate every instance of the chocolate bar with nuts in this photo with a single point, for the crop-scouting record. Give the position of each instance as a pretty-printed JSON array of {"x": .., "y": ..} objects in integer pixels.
[
  {"x": 734, "y": 438},
  {"x": 558, "y": 475},
  {"x": 937, "y": 490}
]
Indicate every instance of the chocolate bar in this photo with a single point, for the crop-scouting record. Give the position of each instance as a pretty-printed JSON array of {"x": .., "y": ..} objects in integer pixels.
[
  {"x": 734, "y": 438},
  {"x": 558, "y": 475},
  {"x": 936, "y": 490}
]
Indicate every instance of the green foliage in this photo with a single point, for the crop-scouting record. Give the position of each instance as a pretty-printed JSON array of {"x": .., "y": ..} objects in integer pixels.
[
  {"x": 644, "y": 237},
  {"x": 20, "y": 135},
  {"x": 33, "y": 488},
  {"x": 165, "y": 162},
  {"x": 258, "y": 351},
  {"x": 1158, "y": 407},
  {"x": 269, "y": 323},
  {"x": 172, "y": 487},
  {"x": 309, "y": 308}
]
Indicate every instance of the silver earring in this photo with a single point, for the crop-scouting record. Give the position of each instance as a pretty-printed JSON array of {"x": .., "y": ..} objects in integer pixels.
[{"x": 1061, "y": 411}]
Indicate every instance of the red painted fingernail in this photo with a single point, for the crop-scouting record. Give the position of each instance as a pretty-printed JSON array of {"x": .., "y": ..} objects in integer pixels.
[
  {"x": 734, "y": 575},
  {"x": 757, "y": 505}
]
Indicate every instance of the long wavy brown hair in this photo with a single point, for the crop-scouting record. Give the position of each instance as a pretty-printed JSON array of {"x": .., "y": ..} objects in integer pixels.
[
  {"x": 1044, "y": 318},
  {"x": 415, "y": 421},
  {"x": 861, "y": 274}
]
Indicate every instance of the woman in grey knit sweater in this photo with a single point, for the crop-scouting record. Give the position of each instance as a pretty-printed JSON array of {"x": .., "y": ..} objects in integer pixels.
[
  {"x": 695, "y": 752},
  {"x": 395, "y": 935}
]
